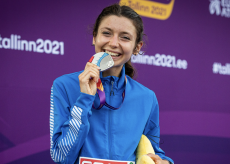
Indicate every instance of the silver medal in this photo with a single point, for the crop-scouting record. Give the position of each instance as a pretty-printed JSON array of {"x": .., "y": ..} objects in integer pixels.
[{"x": 103, "y": 60}]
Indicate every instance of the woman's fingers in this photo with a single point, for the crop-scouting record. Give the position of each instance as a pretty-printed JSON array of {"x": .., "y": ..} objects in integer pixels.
[
  {"x": 91, "y": 65},
  {"x": 88, "y": 79},
  {"x": 89, "y": 75},
  {"x": 92, "y": 68},
  {"x": 155, "y": 158}
]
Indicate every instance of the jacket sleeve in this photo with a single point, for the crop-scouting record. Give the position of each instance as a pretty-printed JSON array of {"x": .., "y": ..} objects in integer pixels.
[
  {"x": 69, "y": 125},
  {"x": 152, "y": 130}
]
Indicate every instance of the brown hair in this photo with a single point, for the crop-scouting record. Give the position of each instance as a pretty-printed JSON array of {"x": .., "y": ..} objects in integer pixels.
[{"x": 129, "y": 13}]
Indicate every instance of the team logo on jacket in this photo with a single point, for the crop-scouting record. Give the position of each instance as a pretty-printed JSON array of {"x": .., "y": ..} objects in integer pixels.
[
  {"x": 220, "y": 8},
  {"x": 150, "y": 9}
]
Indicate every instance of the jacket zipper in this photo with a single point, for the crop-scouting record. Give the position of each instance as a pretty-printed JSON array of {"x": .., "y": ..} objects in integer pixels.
[{"x": 111, "y": 93}]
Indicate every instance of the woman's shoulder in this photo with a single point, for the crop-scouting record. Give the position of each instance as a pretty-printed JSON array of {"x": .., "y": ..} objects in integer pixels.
[
  {"x": 68, "y": 78},
  {"x": 140, "y": 88}
]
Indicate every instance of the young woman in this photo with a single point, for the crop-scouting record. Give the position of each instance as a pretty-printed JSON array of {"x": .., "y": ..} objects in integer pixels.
[{"x": 77, "y": 129}]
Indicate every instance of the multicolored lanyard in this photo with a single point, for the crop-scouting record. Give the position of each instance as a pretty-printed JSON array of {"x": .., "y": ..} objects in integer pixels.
[
  {"x": 101, "y": 94},
  {"x": 104, "y": 61}
]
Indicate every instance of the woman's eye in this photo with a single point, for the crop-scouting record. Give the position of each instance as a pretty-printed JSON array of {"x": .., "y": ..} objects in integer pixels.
[
  {"x": 126, "y": 38},
  {"x": 105, "y": 33}
]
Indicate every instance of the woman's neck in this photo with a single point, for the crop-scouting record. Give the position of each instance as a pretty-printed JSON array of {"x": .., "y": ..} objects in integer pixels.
[{"x": 114, "y": 71}]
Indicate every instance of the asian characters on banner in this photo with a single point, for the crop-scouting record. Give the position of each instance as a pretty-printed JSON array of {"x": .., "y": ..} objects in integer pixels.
[
  {"x": 40, "y": 46},
  {"x": 220, "y": 7}
]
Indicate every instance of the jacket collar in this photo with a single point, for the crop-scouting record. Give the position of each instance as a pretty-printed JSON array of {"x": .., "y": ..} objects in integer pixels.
[{"x": 118, "y": 81}]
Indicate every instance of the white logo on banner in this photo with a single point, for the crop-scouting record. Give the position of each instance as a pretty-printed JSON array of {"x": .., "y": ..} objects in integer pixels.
[
  {"x": 160, "y": 60},
  {"x": 40, "y": 46},
  {"x": 221, "y": 69},
  {"x": 220, "y": 7}
]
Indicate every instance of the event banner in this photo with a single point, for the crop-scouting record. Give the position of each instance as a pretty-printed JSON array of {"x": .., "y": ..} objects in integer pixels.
[{"x": 185, "y": 60}]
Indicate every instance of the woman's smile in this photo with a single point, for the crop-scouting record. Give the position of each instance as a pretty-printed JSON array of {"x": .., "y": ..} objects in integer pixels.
[
  {"x": 116, "y": 36},
  {"x": 114, "y": 55}
]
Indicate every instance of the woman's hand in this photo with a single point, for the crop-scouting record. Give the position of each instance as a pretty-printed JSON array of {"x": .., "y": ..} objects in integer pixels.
[
  {"x": 88, "y": 79},
  {"x": 157, "y": 159}
]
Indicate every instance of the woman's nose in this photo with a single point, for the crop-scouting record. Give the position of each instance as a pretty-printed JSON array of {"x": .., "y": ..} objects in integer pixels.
[{"x": 114, "y": 41}]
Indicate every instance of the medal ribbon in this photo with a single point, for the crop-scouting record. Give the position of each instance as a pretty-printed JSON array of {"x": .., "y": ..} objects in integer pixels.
[{"x": 101, "y": 94}]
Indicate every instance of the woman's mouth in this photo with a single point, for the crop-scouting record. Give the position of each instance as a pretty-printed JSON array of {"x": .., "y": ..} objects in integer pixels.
[{"x": 113, "y": 54}]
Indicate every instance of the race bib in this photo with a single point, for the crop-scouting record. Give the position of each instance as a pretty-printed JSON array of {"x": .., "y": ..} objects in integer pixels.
[{"x": 86, "y": 160}]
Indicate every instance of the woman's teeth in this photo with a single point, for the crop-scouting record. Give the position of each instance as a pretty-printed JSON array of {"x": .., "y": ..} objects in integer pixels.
[{"x": 111, "y": 53}]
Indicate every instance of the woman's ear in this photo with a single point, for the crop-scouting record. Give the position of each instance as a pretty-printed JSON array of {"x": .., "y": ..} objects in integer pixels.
[
  {"x": 138, "y": 48},
  {"x": 94, "y": 41}
]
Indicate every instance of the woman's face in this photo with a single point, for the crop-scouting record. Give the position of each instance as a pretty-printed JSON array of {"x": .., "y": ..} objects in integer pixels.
[{"x": 116, "y": 36}]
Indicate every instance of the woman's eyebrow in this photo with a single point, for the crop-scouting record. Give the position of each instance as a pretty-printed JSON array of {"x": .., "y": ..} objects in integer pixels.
[
  {"x": 124, "y": 32},
  {"x": 107, "y": 28}
]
